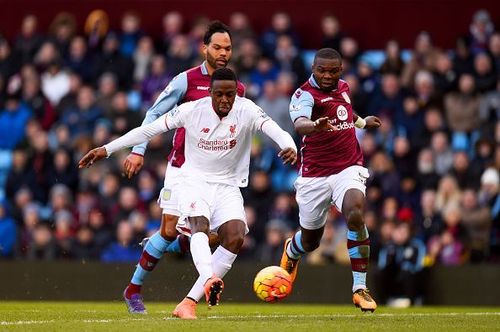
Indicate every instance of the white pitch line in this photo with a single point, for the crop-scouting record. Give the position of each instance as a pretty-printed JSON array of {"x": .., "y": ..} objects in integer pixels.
[
  {"x": 106, "y": 321},
  {"x": 26, "y": 322},
  {"x": 416, "y": 314}
]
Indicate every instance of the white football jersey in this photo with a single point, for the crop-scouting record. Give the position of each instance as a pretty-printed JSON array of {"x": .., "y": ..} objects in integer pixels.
[{"x": 218, "y": 150}]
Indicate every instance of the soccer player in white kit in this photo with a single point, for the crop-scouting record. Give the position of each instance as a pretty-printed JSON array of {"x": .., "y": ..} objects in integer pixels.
[{"x": 219, "y": 130}]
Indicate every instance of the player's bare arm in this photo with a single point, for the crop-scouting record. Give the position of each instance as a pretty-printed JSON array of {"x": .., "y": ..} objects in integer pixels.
[{"x": 305, "y": 126}]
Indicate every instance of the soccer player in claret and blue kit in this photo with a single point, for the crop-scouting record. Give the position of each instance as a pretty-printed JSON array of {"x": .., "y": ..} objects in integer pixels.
[{"x": 331, "y": 169}]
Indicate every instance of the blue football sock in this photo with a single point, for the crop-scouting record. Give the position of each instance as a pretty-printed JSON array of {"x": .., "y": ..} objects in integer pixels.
[{"x": 151, "y": 254}]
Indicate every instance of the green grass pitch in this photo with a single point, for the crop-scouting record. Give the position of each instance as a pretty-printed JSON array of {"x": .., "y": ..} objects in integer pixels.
[{"x": 112, "y": 316}]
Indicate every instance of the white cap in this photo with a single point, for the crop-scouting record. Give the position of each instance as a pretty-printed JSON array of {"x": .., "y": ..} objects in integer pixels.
[{"x": 490, "y": 176}]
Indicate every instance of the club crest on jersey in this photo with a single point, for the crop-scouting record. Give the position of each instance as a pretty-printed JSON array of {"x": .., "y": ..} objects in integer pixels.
[
  {"x": 205, "y": 130},
  {"x": 232, "y": 130},
  {"x": 342, "y": 113}
]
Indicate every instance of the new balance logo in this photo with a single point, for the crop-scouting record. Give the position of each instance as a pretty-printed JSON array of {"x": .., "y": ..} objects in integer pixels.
[
  {"x": 204, "y": 88},
  {"x": 205, "y": 130}
]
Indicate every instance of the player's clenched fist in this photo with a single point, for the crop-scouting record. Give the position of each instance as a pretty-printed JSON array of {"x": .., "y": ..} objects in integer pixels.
[
  {"x": 372, "y": 122},
  {"x": 288, "y": 155},
  {"x": 92, "y": 156}
]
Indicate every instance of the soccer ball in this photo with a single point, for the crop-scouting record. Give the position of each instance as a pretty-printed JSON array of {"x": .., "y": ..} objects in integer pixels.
[{"x": 272, "y": 284}]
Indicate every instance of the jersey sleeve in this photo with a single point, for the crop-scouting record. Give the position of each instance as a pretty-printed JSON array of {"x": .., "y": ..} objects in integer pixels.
[
  {"x": 301, "y": 105},
  {"x": 256, "y": 115},
  {"x": 178, "y": 117},
  {"x": 166, "y": 101}
]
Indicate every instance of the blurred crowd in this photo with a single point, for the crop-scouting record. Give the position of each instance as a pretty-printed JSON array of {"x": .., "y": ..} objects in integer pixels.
[{"x": 433, "y": 195}]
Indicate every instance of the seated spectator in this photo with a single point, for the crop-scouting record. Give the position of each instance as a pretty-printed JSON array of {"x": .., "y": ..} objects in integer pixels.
[
  {"x": 401, "y": 264},
  {"x": 155, "y": 81},
  {"x": 428, "y": 220},
  {"x": 123, "y": 250},
  {"x": 272, "y": 249},
  {"x": 13, "y": 120},
  {"x": 79, "y": 60},
  {"x": 42, "y": 245},
  {"x": 83, "y": 246},
  {"x": 448, "y": 247},
  {"x": 393, "y": 63},
  {"x": 477, "y": 223},
  {"x": 81, "y": 119},
  {"x": 8, "y": 232}
]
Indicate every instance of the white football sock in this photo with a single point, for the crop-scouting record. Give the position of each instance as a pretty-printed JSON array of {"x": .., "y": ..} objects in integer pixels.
[
  {"x": 222, "y": 260},
  {"x": 202, "y": 256}
]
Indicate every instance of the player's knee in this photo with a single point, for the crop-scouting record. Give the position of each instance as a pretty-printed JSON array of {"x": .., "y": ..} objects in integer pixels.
[
  {"x": 199, "y": 224},
  {"x": 310, "y": 245},
  {"x": 233, "y": 242},
  {"x": 167, "y": 229},
  {"x": 355, "y": 219}
]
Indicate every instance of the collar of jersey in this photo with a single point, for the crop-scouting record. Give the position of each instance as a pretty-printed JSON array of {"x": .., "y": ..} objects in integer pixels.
[{"x": 204, "y": 69}]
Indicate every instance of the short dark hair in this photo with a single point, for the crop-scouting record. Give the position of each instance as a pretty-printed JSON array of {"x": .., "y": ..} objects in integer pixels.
[
  {"x": 214, "y": 27},
  {"x": 223, "y": 74},
  {"x": 327, "y": 53}
]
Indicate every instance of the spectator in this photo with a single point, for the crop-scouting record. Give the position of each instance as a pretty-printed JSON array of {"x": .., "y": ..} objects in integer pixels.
[
  {"x": 448, "y": 248},
  {"x": 62, "y": 30},
  {"x": 156, "y": 79},
  {"x": 130, "y": 33},
  {"x": 270, "y": 251},
  {"x": 13, "y": 120},
  {"x": 180, "y": 55},
  {"x": 332, "y": 34},
  {"x": 393, "y": 64},
  {"x": 480, "y": 29},
  {"x": 8, "y": 232},
  {"x": 78, "y": 59},
  {"x": 448, "y": 193},
  {"x": 81, "y": 119},
  {"x": 29, "y": 39},
  {"x": 122, "y": 250},
  {"x": 477, "y": 223},
  {"x": 172, "y": 24},
  {"x": 96, "y": 28},
  {"x": 281, "y": 24},
  {"x": 143, "y": 56},
  {"x": 111, "y": 60},
  {"x": 55, "y": 82},
  {"x": 43, "y": 246},
  {"x": 484, "y": 73},
  {"x": 443, "y": 156},
  {"x": 241, "y": 29},
  {"x": 401, "y": 265},
  {"x": 428, "y": 221}
]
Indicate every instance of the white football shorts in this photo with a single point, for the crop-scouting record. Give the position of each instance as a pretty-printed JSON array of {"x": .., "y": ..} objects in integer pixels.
[
  {"x": 315, "y": 195},
  {"x": 169, "y": 194},
  {"x": 219, "y": 203}
]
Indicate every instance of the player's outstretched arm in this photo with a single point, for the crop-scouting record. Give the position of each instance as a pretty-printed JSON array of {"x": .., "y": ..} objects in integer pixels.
[
  {"x": 133, "y": 137},
  {"x": 288, "y": 151},
  {"x": 165, "y": 102},
  {"x": 305, "y": 126}
]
